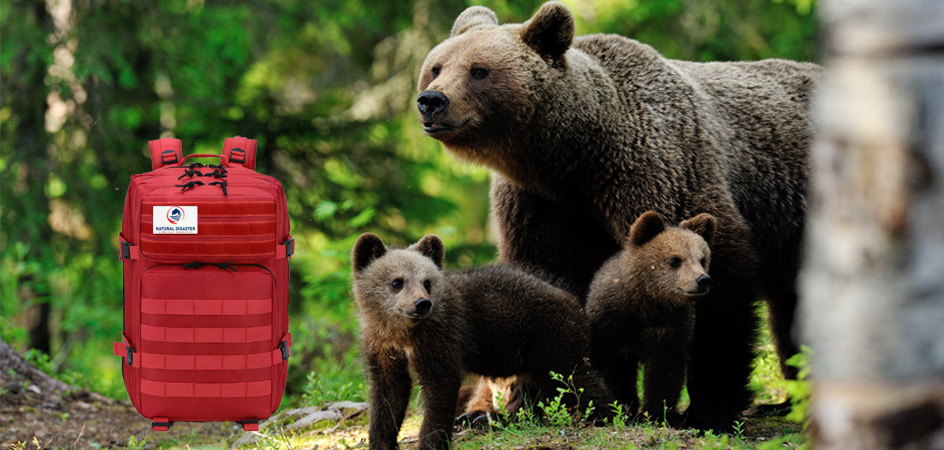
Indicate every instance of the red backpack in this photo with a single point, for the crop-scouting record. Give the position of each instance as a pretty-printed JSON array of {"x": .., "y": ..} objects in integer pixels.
[{"x": 205, "y": 251}]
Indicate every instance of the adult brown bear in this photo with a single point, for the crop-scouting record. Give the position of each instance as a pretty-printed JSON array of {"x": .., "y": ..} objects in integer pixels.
[{"x": 586, "y": 134}]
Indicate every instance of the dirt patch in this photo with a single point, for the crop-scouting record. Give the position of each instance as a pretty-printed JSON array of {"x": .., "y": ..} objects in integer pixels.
[{"x": 82, "y": 420}]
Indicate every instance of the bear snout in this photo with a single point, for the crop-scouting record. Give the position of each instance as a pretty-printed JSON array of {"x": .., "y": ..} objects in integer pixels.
[
  {"x": 702, "y": 285},
  {"x": 692, "y": 289},
  {"x": 419, "y": 309},
  {"x": 431, "y": 103},
  {"x": 423, "y": 306},
  {"x": 703, "y": 282}
]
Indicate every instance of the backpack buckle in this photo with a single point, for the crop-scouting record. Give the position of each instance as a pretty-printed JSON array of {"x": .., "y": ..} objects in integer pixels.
[
  {"x": 237, "y": 155},
  {"x": 125, "y": 252},
  {"x": 289, "y": 247},
  {"x": 168, "y": 157},
  {"x": 130, "y": 358},
  {"x": 283, "y": 346}
]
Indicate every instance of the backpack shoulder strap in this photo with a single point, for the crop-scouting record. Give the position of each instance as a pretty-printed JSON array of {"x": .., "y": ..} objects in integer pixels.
[
  {"x": 240, "y": 150},
  {"x": 164, "y": 152}
]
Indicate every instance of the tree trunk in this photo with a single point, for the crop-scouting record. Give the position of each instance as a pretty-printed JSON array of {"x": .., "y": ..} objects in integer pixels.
[
  {"x": 10, "y": 359},
  {"x": 873, "y": 283},
  {"x": 25, "y": 204},
  {"x": 48, "y": 386}
]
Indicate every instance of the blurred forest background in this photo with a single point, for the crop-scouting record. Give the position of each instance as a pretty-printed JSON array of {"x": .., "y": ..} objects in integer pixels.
[{"x": 328, "y": 89}]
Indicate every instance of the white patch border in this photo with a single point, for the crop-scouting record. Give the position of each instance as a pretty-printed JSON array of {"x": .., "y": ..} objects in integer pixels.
[{"x": 161, "y": 225}]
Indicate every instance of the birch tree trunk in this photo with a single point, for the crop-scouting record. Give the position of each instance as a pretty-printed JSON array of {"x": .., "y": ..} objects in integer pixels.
[{"x": 872, "y": 287}]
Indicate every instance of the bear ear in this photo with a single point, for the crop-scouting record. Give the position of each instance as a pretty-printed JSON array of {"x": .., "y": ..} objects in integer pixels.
[
  {"x": 367, "y": 248},
  {"x": 646, "y": 227},
  {"x": 473, "y": 16},
  {"x": 550, "y": 31},
  {"x": 432, "y": 247},
  {"x": 703, "y": 224}
]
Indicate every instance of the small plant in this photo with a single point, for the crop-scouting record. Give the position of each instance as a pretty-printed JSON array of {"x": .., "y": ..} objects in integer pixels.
[
  {"x": 525, "y": 418},
  {"x": 738, "y": 429},
  {"x": 645, "y": 418},
  {"x": 135, "y": 444},
  {"x": 510, "y": 424},
  {"x": 500, "y": 400},
  {"x": 620, "y": 420},
  {"x": 556, "y": 410},
  {"x": 39, "y": 360},
  {"x": 332, "y": 384},
  {"x": 587, "y": 413},
  {"x": 799, "y": 389},
  {"x": 665, "y": 415}
]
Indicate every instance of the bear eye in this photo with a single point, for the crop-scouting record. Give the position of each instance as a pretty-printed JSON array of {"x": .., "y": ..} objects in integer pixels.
[
  {"x": 703, "y": 262},
  {"x": 397, "y": 283},
  {"x": 675, "y": 262},
  {"x": 436, "y": 71},
  {"x": 429, "y": 286},
  {"x": 478, "y": 73}
]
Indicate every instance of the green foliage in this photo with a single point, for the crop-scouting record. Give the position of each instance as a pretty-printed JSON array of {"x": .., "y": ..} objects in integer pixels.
[
  {"x": 332, "y": 382},
  {"x": 20, "y": 445},
  {"x": 800, "y": 390},
  {"x": 326, "y": 87},
  {"x": 738, "y": 429},
  {"x": 38, "y": 359},
  {"x": 557, "y": 414},
  {"x": 134, "y": 444},
  {"x": 620, "y": 418}
]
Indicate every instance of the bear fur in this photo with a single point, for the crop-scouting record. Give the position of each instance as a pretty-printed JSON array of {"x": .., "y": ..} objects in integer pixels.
[
  {"x": 496, "y": 321},
  {"x": 585, "y": 134},
  {"x": 641, "y": 310}
]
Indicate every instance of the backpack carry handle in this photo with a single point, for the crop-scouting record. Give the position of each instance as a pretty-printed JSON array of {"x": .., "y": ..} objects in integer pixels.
[
  {"x": 165, "y": 152},
  {"x": 240, "y": 150},
  {"x": 223, "y": 160}
]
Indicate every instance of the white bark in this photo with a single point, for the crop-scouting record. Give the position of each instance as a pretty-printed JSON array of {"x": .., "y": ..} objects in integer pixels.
[{"x": 872, "y": 288}]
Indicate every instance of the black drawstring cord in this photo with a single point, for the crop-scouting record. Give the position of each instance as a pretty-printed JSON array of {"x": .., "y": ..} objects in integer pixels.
[
  {"x": 190, "y": 173},
  {"x": 217, "y": 173},
  {"x": 221, "y": 184},
  {"x": 189, "y": 184}
]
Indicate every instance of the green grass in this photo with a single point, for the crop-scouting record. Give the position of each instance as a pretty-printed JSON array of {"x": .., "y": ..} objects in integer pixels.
[
  {"x": 559, "y": 429},
  {"x": 328, "y": 354},
  {"x": 764, "y": 434}
]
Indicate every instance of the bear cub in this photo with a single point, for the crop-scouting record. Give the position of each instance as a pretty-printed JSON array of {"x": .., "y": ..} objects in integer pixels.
[
  {"x": 641, "y": 310},
  {"x": 495, "y": 321}
]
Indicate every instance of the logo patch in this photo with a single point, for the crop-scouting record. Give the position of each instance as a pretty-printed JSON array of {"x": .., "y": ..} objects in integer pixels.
[{"x": 175, "y": 220}]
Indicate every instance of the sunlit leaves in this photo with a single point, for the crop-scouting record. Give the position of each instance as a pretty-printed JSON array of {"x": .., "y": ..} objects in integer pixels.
[{"x": 327, "y": 87}]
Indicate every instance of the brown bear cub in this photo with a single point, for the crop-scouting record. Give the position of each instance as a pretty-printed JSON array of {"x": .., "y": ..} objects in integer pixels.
[
  {"x": 495, "y": 321},
  {"x": 641, "y": 310}
]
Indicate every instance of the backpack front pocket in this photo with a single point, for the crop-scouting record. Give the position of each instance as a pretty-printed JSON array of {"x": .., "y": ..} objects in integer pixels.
[{"x": 208, "y": 344}]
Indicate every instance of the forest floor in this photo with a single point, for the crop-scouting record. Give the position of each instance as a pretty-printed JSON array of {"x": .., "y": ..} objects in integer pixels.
[{"x": 33, "y": 419}]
